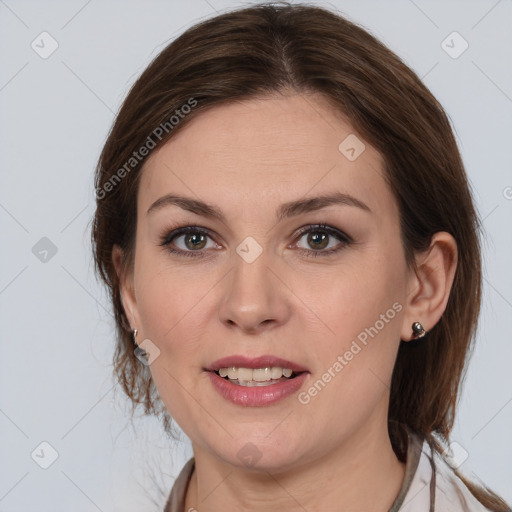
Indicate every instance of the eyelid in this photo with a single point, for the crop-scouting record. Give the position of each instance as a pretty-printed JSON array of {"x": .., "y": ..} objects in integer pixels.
[
  {"x": 324, "y": 227},
  {"x": 171, "y": 233}
]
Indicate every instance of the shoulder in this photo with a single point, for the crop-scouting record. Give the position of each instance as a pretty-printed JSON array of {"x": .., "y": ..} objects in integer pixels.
[
  {"x": 452, "y": 493},
  {"x": 176, "y": 500},
  {"x": 436, "y": 486}
]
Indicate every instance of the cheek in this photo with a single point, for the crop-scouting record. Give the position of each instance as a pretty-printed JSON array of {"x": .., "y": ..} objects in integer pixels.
[
  {"x": 342, "y": 301},
  {"x": 360, "y": 309},
  {"x": 171, "y": 300},
  {"x": 171, "y": 306}
]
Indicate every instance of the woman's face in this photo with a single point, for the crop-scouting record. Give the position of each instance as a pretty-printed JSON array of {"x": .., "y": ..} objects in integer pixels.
[{"x": 267, "y": 281}]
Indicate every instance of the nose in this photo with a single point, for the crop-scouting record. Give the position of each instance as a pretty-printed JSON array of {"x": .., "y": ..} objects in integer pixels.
[{"x": 254, "y": 297}]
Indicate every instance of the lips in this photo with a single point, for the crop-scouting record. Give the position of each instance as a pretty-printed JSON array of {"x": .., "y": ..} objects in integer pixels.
[
  {"x": 263, "y": 361},
  {"x": 260, "y": 393},
  {"x": 257, "y": 396}
]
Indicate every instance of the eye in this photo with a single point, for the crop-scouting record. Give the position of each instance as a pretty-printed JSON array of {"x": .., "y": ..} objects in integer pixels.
[
  {"x": 319, "y": 237},
  {"x": 194, "y": 240}
]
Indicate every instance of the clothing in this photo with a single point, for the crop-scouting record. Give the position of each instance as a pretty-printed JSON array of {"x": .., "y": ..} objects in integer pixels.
[{"x": 430, "y": 484}]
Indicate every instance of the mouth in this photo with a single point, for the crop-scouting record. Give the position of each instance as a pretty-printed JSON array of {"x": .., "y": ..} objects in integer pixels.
[
  {"x": 256, "y": 381},
  {"x": 252, "y": 377}
]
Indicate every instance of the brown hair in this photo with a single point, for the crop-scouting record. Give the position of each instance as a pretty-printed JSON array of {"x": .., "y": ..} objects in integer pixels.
[{"x": 269, "y": 48}]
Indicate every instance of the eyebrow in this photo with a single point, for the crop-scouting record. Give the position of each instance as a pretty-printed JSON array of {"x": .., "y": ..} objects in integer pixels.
[{"x": 286, "y": 210}]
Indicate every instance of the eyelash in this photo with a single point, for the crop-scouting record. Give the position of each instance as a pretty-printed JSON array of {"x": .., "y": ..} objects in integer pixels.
[{"x": 344, "y": 239}]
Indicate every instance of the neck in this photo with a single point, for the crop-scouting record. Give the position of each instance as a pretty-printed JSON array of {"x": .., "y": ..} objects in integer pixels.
[{"x": 363, "y": 473}]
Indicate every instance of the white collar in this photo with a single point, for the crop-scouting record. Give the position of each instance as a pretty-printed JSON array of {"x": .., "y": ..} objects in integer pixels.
[{"x": 436, "y": 487}]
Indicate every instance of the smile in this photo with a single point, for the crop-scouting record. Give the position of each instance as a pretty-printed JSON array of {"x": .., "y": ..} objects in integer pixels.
[
  {"x": 254, "y": 382},
  {"x": 250, "y": 377}
]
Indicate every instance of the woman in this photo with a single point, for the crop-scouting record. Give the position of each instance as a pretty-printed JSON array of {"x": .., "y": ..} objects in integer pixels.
[{"x": 287, "y": 232}]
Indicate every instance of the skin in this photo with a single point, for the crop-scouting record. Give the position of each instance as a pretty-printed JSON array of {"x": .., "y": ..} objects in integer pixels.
[{"x": 247, "y": 158}]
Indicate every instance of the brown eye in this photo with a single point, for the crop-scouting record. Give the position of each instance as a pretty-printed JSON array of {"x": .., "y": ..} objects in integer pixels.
[
  {"x": 195, "y": 241},
  {"x": 321, "y": 237},
  {"x": 318, "y": 240},
  {"x": 188, "y": 241}
]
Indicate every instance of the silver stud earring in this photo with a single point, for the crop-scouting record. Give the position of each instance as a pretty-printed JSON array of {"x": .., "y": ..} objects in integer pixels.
[{"x": 417, "y": 330}]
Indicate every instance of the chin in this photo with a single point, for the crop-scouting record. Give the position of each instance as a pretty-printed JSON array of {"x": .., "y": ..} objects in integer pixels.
[{"x": 271, "y": 453}]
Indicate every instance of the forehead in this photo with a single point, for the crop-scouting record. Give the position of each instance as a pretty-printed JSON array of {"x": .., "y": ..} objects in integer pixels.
[{"x": 272, "y": 149}]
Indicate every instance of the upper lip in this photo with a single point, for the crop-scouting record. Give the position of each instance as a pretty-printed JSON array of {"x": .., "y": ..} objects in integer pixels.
[{"x": 263, "y": 361}]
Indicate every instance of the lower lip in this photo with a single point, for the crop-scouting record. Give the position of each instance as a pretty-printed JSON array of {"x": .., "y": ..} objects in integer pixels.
[{"x": 257, "y": 395}]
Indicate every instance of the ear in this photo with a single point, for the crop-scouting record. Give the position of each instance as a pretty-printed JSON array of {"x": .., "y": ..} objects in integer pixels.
[
  {"x": 126, "y": 287},
  {"x": 429, "y": 285}
]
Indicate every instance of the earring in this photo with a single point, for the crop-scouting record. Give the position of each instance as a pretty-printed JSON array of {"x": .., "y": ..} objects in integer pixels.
[
  {"x": 417, "y": 330},
  {"x": 139, "y": 352}
]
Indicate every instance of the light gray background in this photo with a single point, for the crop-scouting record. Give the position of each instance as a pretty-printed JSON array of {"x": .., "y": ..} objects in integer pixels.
[{"x": 56, "y": 330}]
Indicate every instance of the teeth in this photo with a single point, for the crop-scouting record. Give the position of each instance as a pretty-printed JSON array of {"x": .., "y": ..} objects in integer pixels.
[
  {"x": 245, "y": 374},
  {"x": 276, "y": 372},
  {"x": 259, "y": 375},
  {"x": 266, "y": 374}
]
